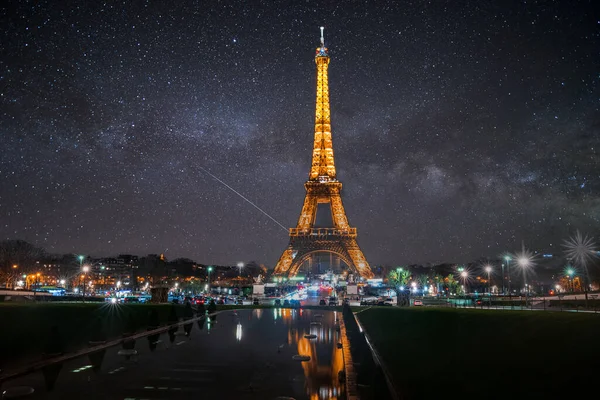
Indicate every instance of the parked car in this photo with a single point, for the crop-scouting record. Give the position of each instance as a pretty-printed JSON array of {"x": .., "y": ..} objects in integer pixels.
[
  {"x": 255, "y": 302},
  {"x": 277, "y": 302},
  {"x": 385, "y": 302},
  {"x": 485, "y": 302},
  {"x": 239, "y": 301},
  {"x": 322, "y": 302},
  {"x": 333, "y": 301},
  {"x": 286, "y": 303},
  {"x": 418, "y": 303},
  {"x": 295, "y": 303},
  {"x": 369, "y": 301}
]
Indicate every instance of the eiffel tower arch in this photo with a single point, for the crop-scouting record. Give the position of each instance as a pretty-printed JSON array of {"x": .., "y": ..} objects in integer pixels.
[{"x": 322, "y": 187}]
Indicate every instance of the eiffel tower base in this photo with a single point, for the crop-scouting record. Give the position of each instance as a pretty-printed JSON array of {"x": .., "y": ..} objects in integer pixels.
[{"x": 302, "y": 247}]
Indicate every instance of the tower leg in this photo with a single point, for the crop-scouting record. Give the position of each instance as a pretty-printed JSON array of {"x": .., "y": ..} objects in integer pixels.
[
  {"x": 285, "y": 261},
  {"x": 358, "y": 259}
]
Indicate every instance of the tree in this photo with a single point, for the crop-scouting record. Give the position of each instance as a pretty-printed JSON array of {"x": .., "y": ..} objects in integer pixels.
[
  {"x": 422, "y": 280},
  {"x": 438, "y": 280},
  {"x": 399, "y": 277},
  {"x": 17, "y": 257},
  {"x": 451, "y": 283}
]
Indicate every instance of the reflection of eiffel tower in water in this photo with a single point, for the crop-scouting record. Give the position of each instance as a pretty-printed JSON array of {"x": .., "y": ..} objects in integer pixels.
[
  {"x": 322, "y": 188},
  {"x": 321, "y": 372}
]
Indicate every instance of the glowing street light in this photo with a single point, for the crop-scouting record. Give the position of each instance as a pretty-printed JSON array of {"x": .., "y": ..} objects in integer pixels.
[
  {"x": 507, "y": 260},
  {"x": 525, "y": 261},
  {"x": 488, "y": 269},
  {"x": 571, "y": 274},
  {"x": 209, "y": 269},
  {"x": 240, "y": 265},
  {"x": 464, "y": 275},
  {"x": 85, "y": 270}
]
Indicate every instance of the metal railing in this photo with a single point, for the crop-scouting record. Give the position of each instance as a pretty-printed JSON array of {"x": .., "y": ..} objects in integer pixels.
[
  {"x": 517, "y": 303},
  {"x": 322, "y": 232}
]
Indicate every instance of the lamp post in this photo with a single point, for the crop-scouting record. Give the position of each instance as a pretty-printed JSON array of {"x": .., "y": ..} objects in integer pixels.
[
  {"x": 240, "y": 265},
  {"x": 570, "y": 274},
  {"x": 209, "y": 271},
  {"x": 85, "y": 270},
  {"x": 464, "y": 275},
  {"x": 507, "y": 259},
  {"x": 488, "y": 269},
  {"x": 524, "y": 263},
  {"x": 15, "y": 266}
]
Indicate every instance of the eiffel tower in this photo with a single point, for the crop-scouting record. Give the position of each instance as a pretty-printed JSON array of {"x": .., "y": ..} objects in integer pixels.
[{"x": 322, "y": 187}]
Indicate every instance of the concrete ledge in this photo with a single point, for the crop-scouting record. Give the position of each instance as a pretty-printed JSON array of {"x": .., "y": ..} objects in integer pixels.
[
  {"x": 351, "y": 386},
  {"x": 379, "y": 361}
]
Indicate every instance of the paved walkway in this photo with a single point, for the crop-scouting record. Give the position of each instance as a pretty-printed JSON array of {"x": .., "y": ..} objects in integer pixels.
[{"x": 245, "y": 355}]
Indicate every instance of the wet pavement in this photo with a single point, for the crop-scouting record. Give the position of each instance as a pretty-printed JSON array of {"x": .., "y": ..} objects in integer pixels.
[{"x": 246, "y": 354}]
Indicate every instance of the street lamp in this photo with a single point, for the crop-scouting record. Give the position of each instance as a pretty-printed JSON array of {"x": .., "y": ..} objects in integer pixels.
[
  {"x": 524, "y": 262},
  {"x": 15, "y": 266},
  {"x": 570, "y": 274},
  {"x": 464, "y": 274},
  {"x": 208, "y": 284},
  {"x": 85, "y": 270},
  {"x": 507, "y": 260},
  {"x": 488, "y": 269},
  {"x": 240, "y": 266}
]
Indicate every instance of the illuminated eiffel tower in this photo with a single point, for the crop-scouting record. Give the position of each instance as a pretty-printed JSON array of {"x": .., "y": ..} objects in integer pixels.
[{"x": 322, "y": 187}]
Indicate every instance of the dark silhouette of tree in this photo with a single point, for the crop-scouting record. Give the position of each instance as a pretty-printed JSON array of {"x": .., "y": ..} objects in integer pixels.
[{"x": 17, "y": 257}]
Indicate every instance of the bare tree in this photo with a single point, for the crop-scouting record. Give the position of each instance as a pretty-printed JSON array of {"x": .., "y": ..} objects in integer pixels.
[{"x": 17, "y": 257}]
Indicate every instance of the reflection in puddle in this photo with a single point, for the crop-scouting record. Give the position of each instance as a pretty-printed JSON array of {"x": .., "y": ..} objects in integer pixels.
[
  {"x": 238, "y": 332},
  {"x": 326, "y": 360}
]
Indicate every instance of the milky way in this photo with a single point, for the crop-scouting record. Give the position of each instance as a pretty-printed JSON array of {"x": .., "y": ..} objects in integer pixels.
[{"x": 460, "y": 129}]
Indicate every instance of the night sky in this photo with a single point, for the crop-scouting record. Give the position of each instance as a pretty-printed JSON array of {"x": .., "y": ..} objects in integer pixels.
[{"x": 460, "y": 129}]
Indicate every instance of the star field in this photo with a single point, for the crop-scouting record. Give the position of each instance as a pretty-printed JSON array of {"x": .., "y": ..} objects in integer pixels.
[{"x": 460, "y": 129}]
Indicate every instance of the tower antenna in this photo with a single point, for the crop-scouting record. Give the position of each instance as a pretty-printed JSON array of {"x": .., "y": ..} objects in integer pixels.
[{"x": 322, "y": 38}]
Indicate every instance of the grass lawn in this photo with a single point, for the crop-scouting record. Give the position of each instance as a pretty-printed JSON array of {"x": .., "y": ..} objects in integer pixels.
[{"x": 453, "y": 353}]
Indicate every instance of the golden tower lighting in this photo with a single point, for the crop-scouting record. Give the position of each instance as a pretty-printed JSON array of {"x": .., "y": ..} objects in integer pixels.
[{"x": 322, "y": 187}]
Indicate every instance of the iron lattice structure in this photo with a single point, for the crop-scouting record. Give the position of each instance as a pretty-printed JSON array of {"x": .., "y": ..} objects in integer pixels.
[{"x": 322, "y": 187}]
